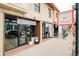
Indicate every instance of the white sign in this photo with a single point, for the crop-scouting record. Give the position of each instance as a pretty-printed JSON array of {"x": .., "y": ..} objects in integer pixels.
[
  {"x": 23, "y": 21},
  {"x": 65, "y": 17}
]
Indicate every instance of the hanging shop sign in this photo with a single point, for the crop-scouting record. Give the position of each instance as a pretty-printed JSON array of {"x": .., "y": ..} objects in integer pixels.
[{"x": 27, "y": 22}]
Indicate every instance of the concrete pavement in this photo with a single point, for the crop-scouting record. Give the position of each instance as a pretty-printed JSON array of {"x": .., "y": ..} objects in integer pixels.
[{"x": 51, "y": 47}]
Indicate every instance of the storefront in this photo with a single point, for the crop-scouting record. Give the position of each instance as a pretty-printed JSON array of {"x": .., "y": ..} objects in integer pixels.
[
  {"x": 20, "y": 31},
  {"x": 47, "y": 30}
]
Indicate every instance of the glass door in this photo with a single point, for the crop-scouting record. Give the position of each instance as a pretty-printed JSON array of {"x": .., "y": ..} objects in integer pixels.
[
  {"x": 28, "y": 33},
  {"x": 22, "y": 34}
]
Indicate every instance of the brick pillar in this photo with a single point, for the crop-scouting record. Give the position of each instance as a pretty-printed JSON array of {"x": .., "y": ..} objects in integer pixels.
[
  {"x": 1, "y": 32},
  {"x": 37, "y": 30}
]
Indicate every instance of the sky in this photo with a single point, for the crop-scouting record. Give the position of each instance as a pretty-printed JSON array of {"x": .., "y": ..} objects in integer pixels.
[{"x": 64, "y": 6}]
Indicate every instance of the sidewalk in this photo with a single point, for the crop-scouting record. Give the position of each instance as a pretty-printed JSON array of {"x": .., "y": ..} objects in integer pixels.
[{"x": 52, "y": 47}]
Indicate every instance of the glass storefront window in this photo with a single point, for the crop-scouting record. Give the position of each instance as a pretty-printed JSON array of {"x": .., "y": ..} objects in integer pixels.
[
  {"x": 17, "y": 34},
  {"x": 47, "y": 30},
  {"x": 22, "y": 34},
  {"x": 43, "y": 30},
  {"x": 26, "y": 32},
  {"x": 11, "y": 34},
  {"x": 30, "y": 32}
]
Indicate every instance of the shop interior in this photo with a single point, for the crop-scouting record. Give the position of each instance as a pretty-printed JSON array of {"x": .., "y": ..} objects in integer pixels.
[{"x": 47, "y": 30}]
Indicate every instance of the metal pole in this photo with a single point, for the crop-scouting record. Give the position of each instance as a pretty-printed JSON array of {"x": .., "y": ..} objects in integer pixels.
[{"x": 76, "y": 47}]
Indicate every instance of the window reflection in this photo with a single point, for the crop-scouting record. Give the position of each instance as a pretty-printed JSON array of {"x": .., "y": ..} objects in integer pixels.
[{"x": 11, "y": 35}]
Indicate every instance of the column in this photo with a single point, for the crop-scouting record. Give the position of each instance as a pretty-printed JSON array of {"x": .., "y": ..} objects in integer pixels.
[
  {"x": 37, "y": 29},
  {"x": 40, "y": 31},
  {"x": 1, "y": 32}
]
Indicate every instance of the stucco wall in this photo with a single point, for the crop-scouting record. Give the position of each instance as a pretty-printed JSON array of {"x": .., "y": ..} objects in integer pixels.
[
  {"x": 43, "y": 15},
  {"x": 1, "y": 32},
  {"x": 65, "y": 17},
  {"x": 55, "y": 16}
]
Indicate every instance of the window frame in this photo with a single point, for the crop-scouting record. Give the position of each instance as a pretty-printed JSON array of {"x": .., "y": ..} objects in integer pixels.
[
  {"x": 37, "y": 5},
  {"x": 49, "y": 13}
]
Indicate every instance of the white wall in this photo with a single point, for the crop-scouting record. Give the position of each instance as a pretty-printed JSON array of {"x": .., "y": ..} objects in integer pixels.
[{"x": 30, "y": 13}]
